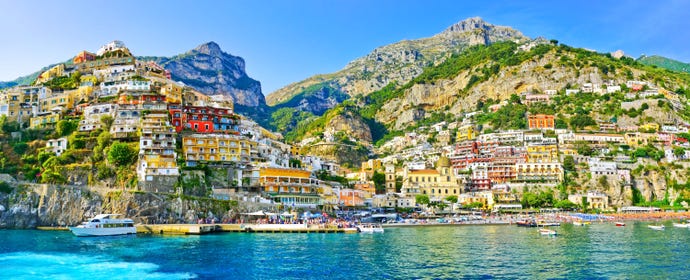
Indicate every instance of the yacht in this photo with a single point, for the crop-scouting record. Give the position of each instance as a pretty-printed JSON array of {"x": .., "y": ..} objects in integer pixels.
[
  {"x": 660, "y": 227},
  {"x": 105, "y": 225},
  {"x": 370, "y": 228}
]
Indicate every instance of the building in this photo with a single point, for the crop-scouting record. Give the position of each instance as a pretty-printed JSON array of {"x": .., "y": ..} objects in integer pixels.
[
  {"x": 539, "y": 172},
  {"x": 594, "y": 200},
  {"x": 157, "y": 167},
  {"x": 45, "y": 120},
  {"x": 290, "y": 187},
  {"x": 602, "y": 168},
  {"x": 205, "y": 119},
  {"x": 126, "y": 123},
  {"x": 542, "y": 153},
  {"x": 93, "y": 114},
  {"x": 437, "y": 183},
  {"x": 57, "y": 146},
  {"x": 112, "y": 47},
  {"x": 390, "y": 178},
  {"x": 541, "y": 121},
  {"x": 466, "y": 132},
  {"x": 220, "y": 149}
]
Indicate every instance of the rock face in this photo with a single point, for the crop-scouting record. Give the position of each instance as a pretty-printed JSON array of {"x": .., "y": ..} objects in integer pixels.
[
  {"x": 44, "y": 205},
  {"x": 211, "y": 71},
  {"x": 400, "y": 61},
  {"x": 351, "y": 124}
]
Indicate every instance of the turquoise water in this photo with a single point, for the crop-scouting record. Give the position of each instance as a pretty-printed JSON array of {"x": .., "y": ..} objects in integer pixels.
[{"x": 599, "y": 251}]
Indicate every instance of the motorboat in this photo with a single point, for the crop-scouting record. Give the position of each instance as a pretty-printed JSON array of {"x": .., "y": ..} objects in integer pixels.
[
  {"x": 548, "y": 224},
  {"x": 370, "y": 228},
  {"x": 105, "y": 225},
  {"x": 681, "y": 225},
  {"x": 578, "y": 223},
  {"x": 620, "y": 224},
  {"x": 544, "y": 231},
  {"x": 526, "y": 223},
  {"x": 659, "y": 227}
]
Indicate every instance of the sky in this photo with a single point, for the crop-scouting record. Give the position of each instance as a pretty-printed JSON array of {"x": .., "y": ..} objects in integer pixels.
[{"x": 283, "y": 42}]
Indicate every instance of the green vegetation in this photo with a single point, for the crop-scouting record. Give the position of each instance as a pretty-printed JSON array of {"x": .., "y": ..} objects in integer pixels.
[
  {"x": 64, "y": 82},
  {"x": 665, "y": 63},
  {"x": 121, "y": 154}
]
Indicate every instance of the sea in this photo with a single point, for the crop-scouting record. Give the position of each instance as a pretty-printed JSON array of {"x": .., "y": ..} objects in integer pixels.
[{"x": 597, "y": 251}]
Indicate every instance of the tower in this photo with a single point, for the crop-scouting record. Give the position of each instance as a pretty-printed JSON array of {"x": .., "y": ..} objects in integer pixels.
[{"x": 390, "y": 178}]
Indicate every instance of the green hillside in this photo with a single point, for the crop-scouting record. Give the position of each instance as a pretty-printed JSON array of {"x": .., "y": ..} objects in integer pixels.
[{"x": 665, "y": 63}]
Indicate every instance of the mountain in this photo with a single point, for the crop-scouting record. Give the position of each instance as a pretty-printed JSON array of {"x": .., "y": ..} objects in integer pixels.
[
  {"x": 211, "y": 71},
  {"x": 665, "y": 63},
  {"x": 399, "y": 62}
]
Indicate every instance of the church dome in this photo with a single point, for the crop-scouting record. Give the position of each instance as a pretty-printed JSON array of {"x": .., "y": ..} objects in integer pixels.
[{"x": 443, "y": 162}]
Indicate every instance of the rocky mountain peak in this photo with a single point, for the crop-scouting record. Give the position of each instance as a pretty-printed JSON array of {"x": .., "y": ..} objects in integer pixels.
[
  {"x": 468, "y": 25},
  {"x": 210, "y": 48}
]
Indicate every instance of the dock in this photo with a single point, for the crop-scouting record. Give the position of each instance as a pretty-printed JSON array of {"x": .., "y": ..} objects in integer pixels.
[{"x": 200, "y": 229}]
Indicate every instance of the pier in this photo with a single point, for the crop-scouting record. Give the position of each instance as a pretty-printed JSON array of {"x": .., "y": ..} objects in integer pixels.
[{"x": 200, "y": 229}]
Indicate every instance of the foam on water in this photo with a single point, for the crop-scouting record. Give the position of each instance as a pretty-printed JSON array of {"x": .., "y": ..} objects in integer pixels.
[{"x": 29, "y": 265}]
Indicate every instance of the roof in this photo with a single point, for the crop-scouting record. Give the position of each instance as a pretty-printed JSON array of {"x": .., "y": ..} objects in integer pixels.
[{"x": 423, "y": 171}]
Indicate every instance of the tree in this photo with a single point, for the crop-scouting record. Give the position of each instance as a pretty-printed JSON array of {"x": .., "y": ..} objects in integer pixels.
[
  {"x": 678, "y": 151},
  {"x": 379, "y": 181},
  {"x": 121, "y": 154},
  {"x": 422, "y": 199},
  {"x": 603, "y": 182},
  {"x": 583, "y": 148},
  {"x": 107, "y": 121},
  {"x": 565, "y": 204},
  {"x": 452, "y": 199},
  {"x": 65, "y": 127},
  {"x": 569, "y": 163},
  {"x": 52, "y": 172}
]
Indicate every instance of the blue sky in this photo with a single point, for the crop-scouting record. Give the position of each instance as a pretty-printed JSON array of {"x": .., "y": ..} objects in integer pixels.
[{"x": 287, "y": 41}]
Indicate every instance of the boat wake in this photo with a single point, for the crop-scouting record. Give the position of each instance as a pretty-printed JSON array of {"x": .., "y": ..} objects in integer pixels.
[{"x": 71, "y": 266}]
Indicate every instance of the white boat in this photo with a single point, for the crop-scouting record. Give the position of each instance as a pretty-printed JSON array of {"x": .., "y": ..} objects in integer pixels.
[
  {"x": 105, "y": 225},
  {"x": 576, "y": 223},
  {"x": 370, "y": 228},
  {"x": 683, "y": 225},
  {"x": 544, "y": 231},
  {"x": 660, "y": 227}
]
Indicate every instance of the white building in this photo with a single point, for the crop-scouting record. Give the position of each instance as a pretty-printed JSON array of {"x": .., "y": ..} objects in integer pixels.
[
  {"x": 57, "y": 146},
  {"x": 94, "y": 113},
  {"x": 602, "y": 168},
  {"x": 112, "y": 46}
]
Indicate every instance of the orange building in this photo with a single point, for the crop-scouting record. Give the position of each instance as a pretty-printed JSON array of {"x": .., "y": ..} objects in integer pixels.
[
  {"x": 541, "y": 121},
  {"x": 83, "y": 57}
]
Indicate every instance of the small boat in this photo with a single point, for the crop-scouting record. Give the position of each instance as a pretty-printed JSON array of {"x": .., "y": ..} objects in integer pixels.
[
  {"x": 526, "y": 223},
  {"x": 370, "y": 228},
  {"x": 681, "y": 225},
  {"x": 105, "y": 225},
  {"x": 548, "y": 224},
  {"x": 620, "y": 224},
  {"x": 660, "y": 227},
  {"x": 578, "y": 223},
  {"x": 544, "y": 231}
]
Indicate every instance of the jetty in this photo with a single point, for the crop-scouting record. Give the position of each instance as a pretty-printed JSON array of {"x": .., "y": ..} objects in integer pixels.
[{"x": 200, "y": 229}]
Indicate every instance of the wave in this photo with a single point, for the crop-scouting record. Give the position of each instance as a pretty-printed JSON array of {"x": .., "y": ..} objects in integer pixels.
[{"x": 29, "y": 265}]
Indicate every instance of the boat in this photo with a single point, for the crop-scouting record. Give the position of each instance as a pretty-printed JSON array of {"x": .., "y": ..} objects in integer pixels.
[
  {"x": 526, "y": 223},
  {"x": 544, "y": 231},
  {"x": 370, "y": 228},
  {"x": 681, "y": 225},
  {"x": 620, "y": 224},
  {"x": 548, "y": 224},
  {"x": 578, "y": 223},
  {"x": 660, "y": 227},
  {"x": 105, "y": 225}
]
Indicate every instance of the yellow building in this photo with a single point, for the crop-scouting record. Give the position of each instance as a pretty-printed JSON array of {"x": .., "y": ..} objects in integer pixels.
[
  {"x": 220, "y": 148},
  {"x": 295, "y": 151},
  {"x": 20, "y": 103},
  {"x": 56, "y": 71},
  {"x": 466, "y": 132},
  {"x": 60, "y": 101},
  {"x": 172, "y": 92},
  {"x": 542, "y": 153},
  {"x": 437, "y": 183},
  {"x": 649, "y": 127},
  {"x": 636, "y": 139},
  {"x": 45, "y": 120},
  {"x": 372, "y": 164},
  {"x": 291, "y": 187},
  {"x": 539, "y": 172}
]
